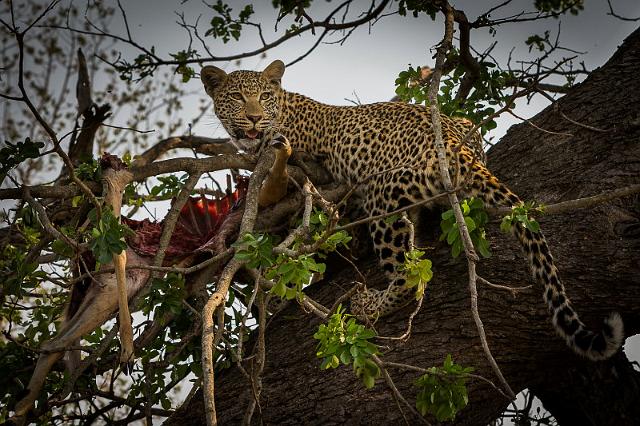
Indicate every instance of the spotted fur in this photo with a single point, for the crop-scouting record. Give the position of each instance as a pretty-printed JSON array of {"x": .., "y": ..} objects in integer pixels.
[{"x": 392, "y": 143}]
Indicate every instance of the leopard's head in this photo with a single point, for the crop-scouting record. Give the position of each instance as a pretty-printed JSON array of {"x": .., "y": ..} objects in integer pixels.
[{"x": 246, "y": 102}]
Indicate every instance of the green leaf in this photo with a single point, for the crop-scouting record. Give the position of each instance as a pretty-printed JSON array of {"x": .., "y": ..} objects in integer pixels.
[
  {"x": 256, "y": 250},
  {"x": 520, "y": 214},
  {"x": 335, "y": 362},
  {"x": 483, "y": 248},
  {"x": 465, "y": 208},
  {"x": 61, "y": 248},
  {"x": 343, "y": 340},
  {"x": 369, "y": 381},
  {"x": 279, "y": 289},
  {"x": 476, "y": 203},
  {"x": 165, "y": 402},
  {"x": 471, "y": 224},
  {"x": 442, "y": 390},
  {"x": 475, "y": 219},
  {"x": 447, "y": 215},
  {"x": 505, "y": 225},
  {"x": 456, "y": 248},
  {"x": 417, "y": 271},
  {"x": 345, "y": 357},
  {"x": 107, "y": 236},
  {"x": 453, "y": 235}
]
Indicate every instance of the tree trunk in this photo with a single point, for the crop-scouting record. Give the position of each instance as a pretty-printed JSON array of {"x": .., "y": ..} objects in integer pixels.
[{"x": 596, "y": 250}]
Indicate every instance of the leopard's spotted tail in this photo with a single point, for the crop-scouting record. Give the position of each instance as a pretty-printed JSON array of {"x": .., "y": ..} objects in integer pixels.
[{"x": 595, "y": 346}]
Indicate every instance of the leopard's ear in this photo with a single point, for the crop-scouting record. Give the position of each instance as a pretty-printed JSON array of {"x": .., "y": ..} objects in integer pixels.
[
  {"x": 212, "y": 78},
  {"x": 274, "y": 71}
]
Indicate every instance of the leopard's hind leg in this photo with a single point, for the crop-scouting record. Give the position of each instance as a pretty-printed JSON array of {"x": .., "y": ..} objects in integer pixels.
[{"x": 386, "y": 193}]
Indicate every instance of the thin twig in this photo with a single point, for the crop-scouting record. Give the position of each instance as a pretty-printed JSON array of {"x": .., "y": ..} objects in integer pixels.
[
  {"x": 259, "y": 361},
  {"x": 513, "y": 290},
  {"x": 405, "y": 336},
  {"x": 395, "y": 212},
  {"x": 395, "y": 391},
  {"x": 535, "y": 126},
  {"x": 622, "y": 18}
]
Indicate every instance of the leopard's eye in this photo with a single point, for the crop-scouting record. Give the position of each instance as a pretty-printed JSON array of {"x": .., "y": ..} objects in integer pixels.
[
  {"x": 265, "y": 95},
  {"x": 236, "y": 95}
]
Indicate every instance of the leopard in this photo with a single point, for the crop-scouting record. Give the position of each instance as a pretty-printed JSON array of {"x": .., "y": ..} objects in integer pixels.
[{"x": 388, "y": 150}]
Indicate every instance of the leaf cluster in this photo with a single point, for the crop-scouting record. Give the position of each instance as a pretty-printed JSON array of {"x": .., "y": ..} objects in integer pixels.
[
  {"x": 487, "y": 91},
  {"x": 292, "y": 274},
  {"x": 288, "y": 6},
  {"x": 89, "y": 170},
  {"x": 417, "y": 6},
  {"x": 520, "y": 214},
  {"x": 60, "y": 247},
  {"x": 318, "y": 223},
  {"x": 408, "y": 87},
  {"x": 560, "y": 6},
  {"x": 183, "y": 69},
  {"x": 291, "y": 7},
  {"x": 475, "y": 218},
  {"x": 417, "y": 271},
  {"x": 165, "y": 295},
  {"x": 443, "y": 390},
  {"x": 344, "y": 341},
  {"x": 538, "y": 41},
  {"x": 16, "y": 273},
  {"x": 143, "y": 64},
  {"x": 169, "y": 186},
  {"x": 13, "y": 154},
  {"x": 224, "y": 26},
  {"x": 107, "y": 236},
  {"x": 255, "y": 249}
]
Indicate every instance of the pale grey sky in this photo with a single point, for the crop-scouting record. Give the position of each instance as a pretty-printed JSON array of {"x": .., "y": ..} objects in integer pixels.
[{"x": 369, "y": 61}]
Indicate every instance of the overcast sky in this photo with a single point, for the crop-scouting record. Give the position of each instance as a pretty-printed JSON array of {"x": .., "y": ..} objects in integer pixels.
[{"x": 368, "y": 63}]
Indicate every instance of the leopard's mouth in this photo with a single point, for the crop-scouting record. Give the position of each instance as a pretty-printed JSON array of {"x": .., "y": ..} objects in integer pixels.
[{"x": 252, "y": 134}]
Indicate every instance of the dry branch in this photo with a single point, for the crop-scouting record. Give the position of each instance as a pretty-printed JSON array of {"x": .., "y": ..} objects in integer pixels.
[
  {"x": 443, "y": 164},
  {"x": 216, "y": 300}
]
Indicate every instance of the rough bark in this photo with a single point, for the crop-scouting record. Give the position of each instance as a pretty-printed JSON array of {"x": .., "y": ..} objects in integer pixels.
[{"x": 596, "y": 250}]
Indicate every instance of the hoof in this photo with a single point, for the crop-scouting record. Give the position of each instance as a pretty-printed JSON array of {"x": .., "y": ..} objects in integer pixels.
[
  {"x": 127, "y": 367},
  {"x": 126, "y": 361}
]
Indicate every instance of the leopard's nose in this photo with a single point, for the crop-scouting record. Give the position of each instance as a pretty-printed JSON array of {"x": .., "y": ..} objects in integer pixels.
[{"x": 254, "y": 118}]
